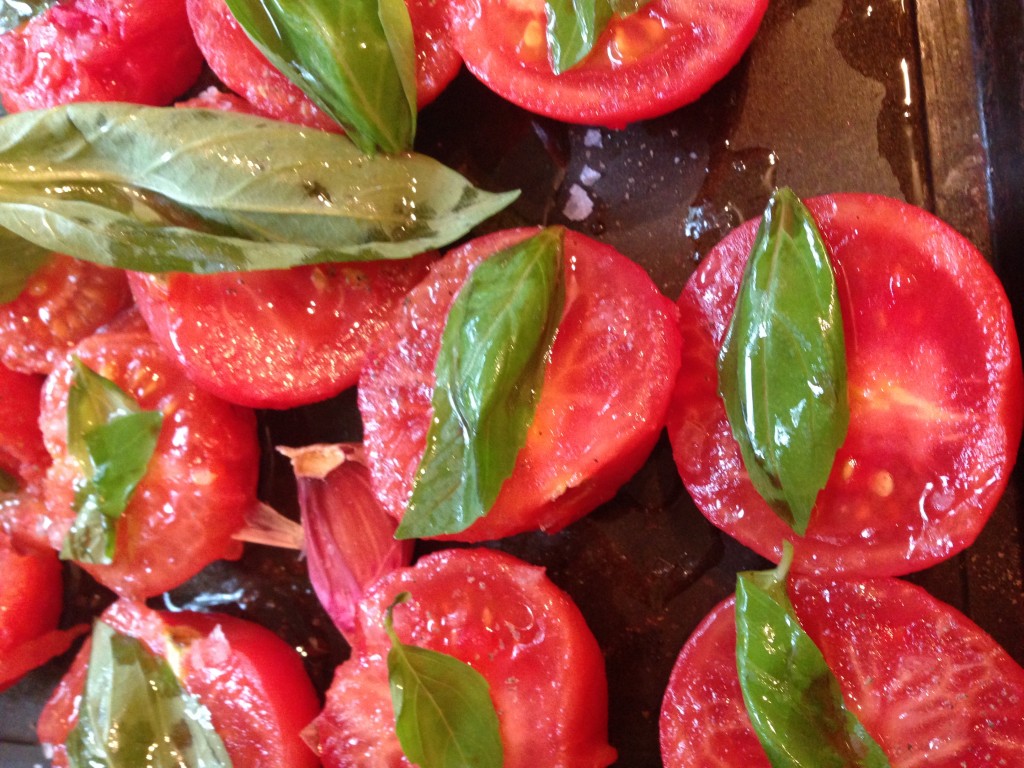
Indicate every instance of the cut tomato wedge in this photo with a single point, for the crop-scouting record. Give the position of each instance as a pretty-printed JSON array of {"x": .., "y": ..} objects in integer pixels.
[{"x": 934, "y": 388}]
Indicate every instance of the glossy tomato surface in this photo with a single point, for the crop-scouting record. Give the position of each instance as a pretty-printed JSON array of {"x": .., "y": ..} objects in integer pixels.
[
  {"x": 666, "y": 55},
  {"x": 934, "y": 376},
  {"x": 198, "y": 486},
  {"x": 275, "y": 339},
  {"x": 929, "y": 685},
  {"x": 22, "y": 453},
  {"x": 602, "y": 404},
  {"x": 251, "y": 681},
  {"x": 507, "y": 621},
  {"x": 99, "y": 50}
]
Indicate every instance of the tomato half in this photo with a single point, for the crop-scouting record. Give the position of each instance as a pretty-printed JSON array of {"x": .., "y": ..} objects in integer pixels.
[
  {"x": 507, "y": 621},
  {"x": 275, "y": 339},
  {"x": 22, "y": 453},
  {"x": 199, "y": 483},
  {"x": 935, "y": 395},
  {"x": 251, "y": 681},
  {"x": 666, "y": 55},
  {"x": 99, "y": 50},
  {"x": 928, "y": 684},
  {"x": 63, "y": 301},
  {"x": 602, "y": 404},
  {"x": 243, "y": 68}
]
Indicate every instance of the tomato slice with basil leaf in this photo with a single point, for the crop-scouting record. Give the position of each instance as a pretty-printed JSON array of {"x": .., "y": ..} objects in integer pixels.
[
  {"x": 601, "y": 405},
  {"x": 645, "y": 64},
  {"x": 505, "y": 620},
  {"x": 934, "y": 390}
]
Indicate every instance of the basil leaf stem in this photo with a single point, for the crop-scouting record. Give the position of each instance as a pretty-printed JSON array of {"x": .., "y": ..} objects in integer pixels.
[
  {"x": 444, "y": 715},
  {"x": 489, "y": 373},
  {"x": 793, "y": 699},
  {"x": 782, "y": 367},
  {"x": 14, "y": 13},
  {"x": 573, "y": 27}
]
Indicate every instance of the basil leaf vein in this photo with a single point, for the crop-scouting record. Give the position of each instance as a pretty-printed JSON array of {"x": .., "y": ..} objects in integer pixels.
[
  {"x": 489, "y": 373},
  {"x": 782, "y": 367}
]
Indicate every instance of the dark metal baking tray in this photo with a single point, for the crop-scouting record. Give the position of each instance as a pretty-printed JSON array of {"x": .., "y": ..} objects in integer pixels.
[{"x": 907, "y": 99}]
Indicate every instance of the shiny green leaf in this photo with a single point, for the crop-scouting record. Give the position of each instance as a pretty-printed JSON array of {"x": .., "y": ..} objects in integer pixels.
[
  {"x": 14, "y": 13},
  {"x": 573, "y": 27},
  {"x": 21, "y": 259},
  {"x": 782, "y": 367},
  {"x": 489, "y": 373}
]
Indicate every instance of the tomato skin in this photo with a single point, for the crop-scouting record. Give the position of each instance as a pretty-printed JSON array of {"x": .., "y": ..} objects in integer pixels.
[
  {"x": 198, "y": 486},
  {"x": 64, "y": 301},
  {"x": 275, "y": 339},
  {"x": 648, "y": 64},
  {"x": 253, "y": 683},
  {"x": 928, "y": 684},
  {"x": 506, "y": 620},
  {"x": 935, "y": 395},
  {"x": 99, "y": 50},
  {"x": 602, "y": 404}
]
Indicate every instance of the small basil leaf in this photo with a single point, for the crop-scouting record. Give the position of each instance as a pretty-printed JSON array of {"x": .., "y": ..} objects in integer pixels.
[
  {"x": 113, "y": 441},
  {"x": 21, "y": 260},
  {"x": 190, "y": 190},
  {"x": 444, "y": 715},
  {"x": 134, "y": 712},
  {"x": 793, "y": 699},
  {"x": 573, "y": 27},
  {"x": 489, "y": 373},
  {"x": 782, "y": 367},
  {"x": 8, "y": 483},
  {"x": 14, "y": 13},
  {"x": 356, "y": 59}
]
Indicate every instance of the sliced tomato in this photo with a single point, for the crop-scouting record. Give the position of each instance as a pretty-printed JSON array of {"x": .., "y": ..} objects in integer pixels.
[
  {"x": 244, "y": 69},
  {"x": 64, "y": 301},
  {"x": 251, "y": 681},
  {"x": 275, "y": 339},
  {"x": 647, "y": 64},
  {"x": 199, "y": 484},
  {"x": 505, "y": 619},
  {"x": 602, "y": 403},
  {"x": 928, "y": 684},
  {"x": 215, "y": 98},
  {"x": 935, "y": 395},
  {"x": 22, "y": 453},
  {"x": 99, "y": 50}
]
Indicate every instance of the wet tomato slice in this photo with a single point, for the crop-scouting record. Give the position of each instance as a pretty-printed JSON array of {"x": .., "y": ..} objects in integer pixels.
[
  {"x": 99, "y": 50},
  {"x": 251, "y": 681},
  {"x": 199, "y": 484},
  {"x": 507, "y": 621},
  {"x": 928, "y": 684},
  {"x": 275, "y": 339},
  {"x": 602, "y": 404},
  {"x": 935, "y": 395},
  {"x": 666, "y": 55},
  {"x": 22, "y": 453}
]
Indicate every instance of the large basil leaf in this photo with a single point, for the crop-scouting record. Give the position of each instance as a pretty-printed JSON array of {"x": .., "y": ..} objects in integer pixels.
[
  {"x": 793, "y": 699},
  {"x": 134, "y": 712},
  {"x": 444, "y": 715},
  {"x": 782, "y": 367},
  {"x": 113, "y": 441},
  {"x": 14, "y": 13},
  {"x": 356, "y": 59},
  {"x": 189, "y": 190},
  {"x": 21, "y": 259},
  {"x": 489, "y": 373},
  {"x": 573, "y": 27}
]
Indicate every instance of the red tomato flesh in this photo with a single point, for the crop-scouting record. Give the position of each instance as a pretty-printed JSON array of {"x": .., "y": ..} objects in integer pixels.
[
  {"x": 251, "y": 681},
  {"x": 602, "y": 404},
  {"x": 648, "y": 64},
  {"x": 929, "y": 685},
  {"x": 22, "y": 453},
  {"x": 199, "y": 483},
  {"x": 934, "y": 388},
  {"x": 507, "y": 621},
  {"x": 99, "y": 50}
]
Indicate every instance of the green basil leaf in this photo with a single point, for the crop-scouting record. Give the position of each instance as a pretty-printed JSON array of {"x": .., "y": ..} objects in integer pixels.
[
  {"x": 489, "y": 373},
  {"x": 14, "y": 13},
  {"x": 113, "y": 441},
  {"x": 356, "y": 59},
  {"x": 793, "y": 699},
  {"x": 444, "y": 715},
  {"x": 782, "y": 367},
  {"x": 8, "y": 483},
  {"x": 134, "y": 712},
  {"x": 573, "y": 27},
  {"x": 189, "y": 190},
  {"x": 21, "y": 259}
]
